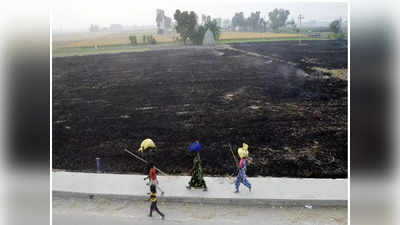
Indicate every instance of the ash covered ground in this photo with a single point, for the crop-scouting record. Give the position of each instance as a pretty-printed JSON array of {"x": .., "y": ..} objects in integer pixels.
[{"x": 288, "y": 103}]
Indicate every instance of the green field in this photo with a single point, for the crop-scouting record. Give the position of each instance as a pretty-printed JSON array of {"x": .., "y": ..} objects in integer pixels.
[
  {"x": 265, "y": 40},
  {"x": 62, "y": 51}
]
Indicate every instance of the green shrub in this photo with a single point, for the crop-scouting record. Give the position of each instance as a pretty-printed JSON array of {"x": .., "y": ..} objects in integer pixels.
[
  {"x": 197, "y": 35},
  {"x": 340, "y": 36}
]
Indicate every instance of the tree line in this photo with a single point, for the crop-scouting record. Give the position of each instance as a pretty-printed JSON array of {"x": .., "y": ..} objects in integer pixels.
[
  {"x": 164, "y": 23},
  {"x": 187, "y": 24},
  {"x": 188, "y": 27}
]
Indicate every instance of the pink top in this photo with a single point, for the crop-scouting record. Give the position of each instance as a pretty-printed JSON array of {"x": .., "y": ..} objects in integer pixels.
[{"x": 241, "y": 162}]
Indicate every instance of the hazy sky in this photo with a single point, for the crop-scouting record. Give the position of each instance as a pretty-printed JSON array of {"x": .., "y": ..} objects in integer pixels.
[{"x": 79, "y": 14}]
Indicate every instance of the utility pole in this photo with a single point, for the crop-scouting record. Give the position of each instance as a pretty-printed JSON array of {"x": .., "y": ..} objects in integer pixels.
[{"x": 300, "y": 18}]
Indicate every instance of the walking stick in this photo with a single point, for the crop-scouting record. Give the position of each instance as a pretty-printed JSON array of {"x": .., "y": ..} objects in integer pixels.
[
  {"x": 236, "y": 164},
  {"x": 234, "y": 157},
  {"x": 141, "y": 159}
]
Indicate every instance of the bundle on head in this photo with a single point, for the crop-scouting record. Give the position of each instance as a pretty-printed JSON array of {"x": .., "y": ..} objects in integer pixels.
[
  {"x": 195, "y": 147},
  {"x": 146, "y": 144},
  {"x": 243, "y": 151}
]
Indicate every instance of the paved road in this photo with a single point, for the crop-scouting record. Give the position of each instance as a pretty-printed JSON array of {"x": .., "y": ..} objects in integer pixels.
[{"x": 101, "y": 211}]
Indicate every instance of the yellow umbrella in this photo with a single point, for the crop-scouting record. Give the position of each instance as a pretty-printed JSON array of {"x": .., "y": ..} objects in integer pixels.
[
  {"x": 243, "y": 151},
  {"x": 147, "y": 143}
]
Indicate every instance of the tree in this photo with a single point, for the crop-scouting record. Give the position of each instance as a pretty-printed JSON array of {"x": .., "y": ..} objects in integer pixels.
[
  {"x": 254, "y": 21},
  {"x": 278, "y": 18},
  {"x": 197, "y": 36},
  {"x": 264, "y": 24},
  {"x": 238, "y": 21},
  {"x": 292, "y": 25},
  {"x": 168, "y": 23},
  {"x": 214, "y": 28},
  {"x": 336, "y": 26},
  {"x": 185, "y": 23},
  {"x": 208, "y": 19},
  {"x": 159, "y": 20},
  {"x": 203, "y": 19},
  {"x": 163, "y": 22},
  {"x": 199, "y": 32}
]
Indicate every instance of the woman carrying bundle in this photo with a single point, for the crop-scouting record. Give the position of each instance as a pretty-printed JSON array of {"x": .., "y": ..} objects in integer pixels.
[
  {"x": 197, "y": 180},
  {"x": 241, "y": 178}
]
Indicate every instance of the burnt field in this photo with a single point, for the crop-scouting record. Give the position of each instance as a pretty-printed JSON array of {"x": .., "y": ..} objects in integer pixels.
[
  {"x": 293, "y": 117},
  {"x": 324, "y": 54}
]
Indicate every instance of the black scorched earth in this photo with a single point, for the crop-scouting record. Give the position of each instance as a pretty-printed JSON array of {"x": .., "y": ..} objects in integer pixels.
[{"x": 287, "y": 102}]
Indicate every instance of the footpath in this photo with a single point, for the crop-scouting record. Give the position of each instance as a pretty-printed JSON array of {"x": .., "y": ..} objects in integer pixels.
[{"x": 265, "y": 190}]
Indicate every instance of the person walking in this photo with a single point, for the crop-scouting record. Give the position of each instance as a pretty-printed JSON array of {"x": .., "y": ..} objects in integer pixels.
[
  {"x": 153, "y": 199},
  {"x": 153, "y": 177},
  {"x": 241, "y": 178},
  {"x": 197, "y": 180}
]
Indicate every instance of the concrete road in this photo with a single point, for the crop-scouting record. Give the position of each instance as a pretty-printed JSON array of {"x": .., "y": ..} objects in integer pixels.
[{"x": 102, "y": 211}]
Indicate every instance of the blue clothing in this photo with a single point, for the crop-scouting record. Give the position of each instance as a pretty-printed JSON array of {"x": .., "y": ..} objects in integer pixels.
[{"x": 241, "y": 178}]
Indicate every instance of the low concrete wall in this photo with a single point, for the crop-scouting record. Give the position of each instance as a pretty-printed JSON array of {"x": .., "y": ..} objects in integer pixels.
[{"x": 265, "y": 191}]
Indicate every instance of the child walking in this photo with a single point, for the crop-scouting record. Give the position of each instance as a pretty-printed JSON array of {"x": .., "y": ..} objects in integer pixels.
[
  {"x": 241, "y": 178},
  {"x": 153, "y": 177},
  {"x": 153, "y": 198}
]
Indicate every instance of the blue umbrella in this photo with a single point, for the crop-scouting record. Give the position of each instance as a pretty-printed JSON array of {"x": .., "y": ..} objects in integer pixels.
[{"x": 195, "y": 147}]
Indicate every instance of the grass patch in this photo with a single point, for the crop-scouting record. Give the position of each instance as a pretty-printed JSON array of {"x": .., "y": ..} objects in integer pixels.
[
  {"x": 64, "y": 52},
  {"x": 265, "y": 40},
  {"x": 337, "y": 73}
]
